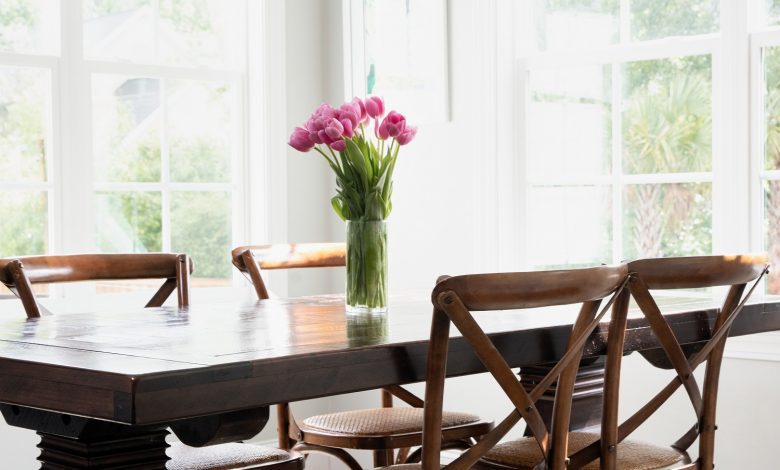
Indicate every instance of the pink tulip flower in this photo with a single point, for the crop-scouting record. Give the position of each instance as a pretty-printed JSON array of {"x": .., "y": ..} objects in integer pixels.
[
  {"x": 299, "y": 140},
  {"x": 407, "y": 135},
  {"x": 351, "y": 112},
  {"x": 324, "y": 111},
  {"x": 334, "y": 129},
  {"x": 315, "y": 137},
  {"x": 381, "y": 130},
  {"x": 339, "y": 145},
  {"x": 361, "y": 107},
  {"x": 392, "y": 126},
  {"x": 348, "y": 127},
  {"x": 375, "y": 107},
  {"x": 325, "y": 138}
]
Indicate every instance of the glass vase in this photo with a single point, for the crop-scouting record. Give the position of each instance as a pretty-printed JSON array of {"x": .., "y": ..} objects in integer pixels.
[
  {"x": 366, "y": 329},
  {"x": 366, "y": 290}
]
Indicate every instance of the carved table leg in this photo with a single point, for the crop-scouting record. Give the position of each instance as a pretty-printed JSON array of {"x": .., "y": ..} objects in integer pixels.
[
  {"x": 78, "y": 443},
  {"x": 586, "y": 401},
  {"x": 145, "y": 450}
]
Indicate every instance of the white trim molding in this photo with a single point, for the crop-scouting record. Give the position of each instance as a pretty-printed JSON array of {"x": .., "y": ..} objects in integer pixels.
[{"x": 760, "y": 347}]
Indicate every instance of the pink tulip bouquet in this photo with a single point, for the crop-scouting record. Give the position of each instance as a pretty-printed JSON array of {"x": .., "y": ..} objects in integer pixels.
[
  {"x": 361, "y": 146},
  {"x": 360, "y": 152}
]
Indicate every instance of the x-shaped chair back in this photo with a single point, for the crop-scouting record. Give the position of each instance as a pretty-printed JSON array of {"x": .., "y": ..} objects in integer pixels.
[
  {"x": 663, "y": 274},
  {"x": 455, "y": 298},
  {"x": 19, "y": 274},
  {"x": 250, "y": 260}
]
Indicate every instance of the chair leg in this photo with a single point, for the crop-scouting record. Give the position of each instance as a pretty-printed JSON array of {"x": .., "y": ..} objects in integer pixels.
[
  {"x": 414, "y": 457},
  {"x": 403, "y": 454},
  {"x": 383, "y": 458},
  {"x": 337, "y": 453},
  {"x": 283, "y": 426}
]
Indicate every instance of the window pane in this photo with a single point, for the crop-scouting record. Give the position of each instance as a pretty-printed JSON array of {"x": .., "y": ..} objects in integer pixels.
[
  {"x": 128, "y": 222},
  {"x": 772, "y": 107},
  {"x": 127, "y": 122},
  {"x": 570, "y": 121},
  {"x": 653, "y": 19},
  {"x": 667, "y": 220},
  {"x": 201, "y": 130},
  {"x": 576, "y": 225},
  {"x": 30, "y": 26},
  {"x": 201, "y": 227},
  {"x": 667, "y": 116},
  {"x": 25, "y": 227},
  {"x": 25, "y": 120},
  {"x": 575, "y": 24},
  {"x": 772, "y": 9},
  {"x": 119, "y": 29},
  {"x": 772, "y": 215},
  {"x": 171, "y": 32}
]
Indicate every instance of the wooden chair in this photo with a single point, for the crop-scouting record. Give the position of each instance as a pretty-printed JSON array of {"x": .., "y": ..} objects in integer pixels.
[
  {"x": 613, "y": 450},
  {"x": 19, "y": 274},
  {"x": 382, "y": 430},
  {"x": 454, "y": 300},
  {"x": 610, "y": 449},
  {"x": 736, "y": 272}
]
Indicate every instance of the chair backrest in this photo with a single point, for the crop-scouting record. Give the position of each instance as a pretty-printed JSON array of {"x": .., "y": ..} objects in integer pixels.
[
  {"x": 18, "y": 274},
  {"x": 676, "y": 273},
  {"x": 250, "y": 260},
  {"x": 455, "y": 298}
]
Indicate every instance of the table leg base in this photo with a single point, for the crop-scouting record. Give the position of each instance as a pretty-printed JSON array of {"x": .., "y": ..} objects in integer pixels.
[
  {"x": 131, "y": 452},
  {"x": 586, "y": 400}
]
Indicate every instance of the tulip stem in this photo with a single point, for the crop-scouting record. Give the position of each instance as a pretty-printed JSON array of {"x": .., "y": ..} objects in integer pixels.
[
  {"x": 333, "y": 163},
  {"x": 366, "y": 264}
]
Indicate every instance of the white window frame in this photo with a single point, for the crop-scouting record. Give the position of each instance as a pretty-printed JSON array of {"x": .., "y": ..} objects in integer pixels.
[
  {"x": 258, "y": 185},
  {"x": 615, "y": 56},
  {"x": 738, "y": 132},
  {"x": 767, "y": 345},
  {"x": 51, "y": 187}
]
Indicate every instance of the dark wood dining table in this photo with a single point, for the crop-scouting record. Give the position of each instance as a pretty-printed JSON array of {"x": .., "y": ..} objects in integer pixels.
[{"x": 95, "y": 384}]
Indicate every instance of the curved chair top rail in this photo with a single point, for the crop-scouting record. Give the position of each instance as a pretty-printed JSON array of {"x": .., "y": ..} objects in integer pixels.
[
  {"x": 295, "y": 255},
  {"x": 502, "y": 291},
  {"x": 87, "y": 267},
  {"x": 688, "y": 272}
]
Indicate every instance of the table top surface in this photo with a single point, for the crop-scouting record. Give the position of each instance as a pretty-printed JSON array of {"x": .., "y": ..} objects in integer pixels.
[{"x": 124, "y": 362}]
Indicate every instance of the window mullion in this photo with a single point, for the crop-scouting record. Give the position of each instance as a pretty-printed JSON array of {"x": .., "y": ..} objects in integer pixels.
[
  {"x": 731, "y": 132},
  {"x": 166, "y": 168},
  {"x": 156, "y": 29},
  {"x": 617, "y": 162},
  {"x": 74, "y": 162},
  {"x": 625, "y": 21}
]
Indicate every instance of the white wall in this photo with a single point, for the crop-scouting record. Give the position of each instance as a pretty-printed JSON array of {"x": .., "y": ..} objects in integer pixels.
[{"x": 313, "y": 75}]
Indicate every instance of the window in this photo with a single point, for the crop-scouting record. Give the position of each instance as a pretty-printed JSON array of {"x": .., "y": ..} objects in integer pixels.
[
  {"x": 619, "y": 156},
  {"x": 647, "y": 134},
  {"x": 765, "y": 52},
  {"x": 28, "y": 39},
  {"x": 135, "y": 116}
]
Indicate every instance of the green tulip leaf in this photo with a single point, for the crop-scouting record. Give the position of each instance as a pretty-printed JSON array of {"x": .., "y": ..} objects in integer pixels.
[{"x": 338, "y": 206}]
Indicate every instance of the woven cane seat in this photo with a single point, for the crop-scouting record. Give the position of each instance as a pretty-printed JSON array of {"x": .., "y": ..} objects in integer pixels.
[
  {"x": 632, "y": 455},
  {"x": 227, "y": 457},
  {"x": 380, "y": 421}
]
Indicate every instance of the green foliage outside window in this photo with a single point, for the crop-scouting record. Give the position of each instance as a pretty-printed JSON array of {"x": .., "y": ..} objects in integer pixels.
[
  {"x": 772, "y": 162},
  {"x": 14, "y": 15},
  {"x": 667, "y": 128}
]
